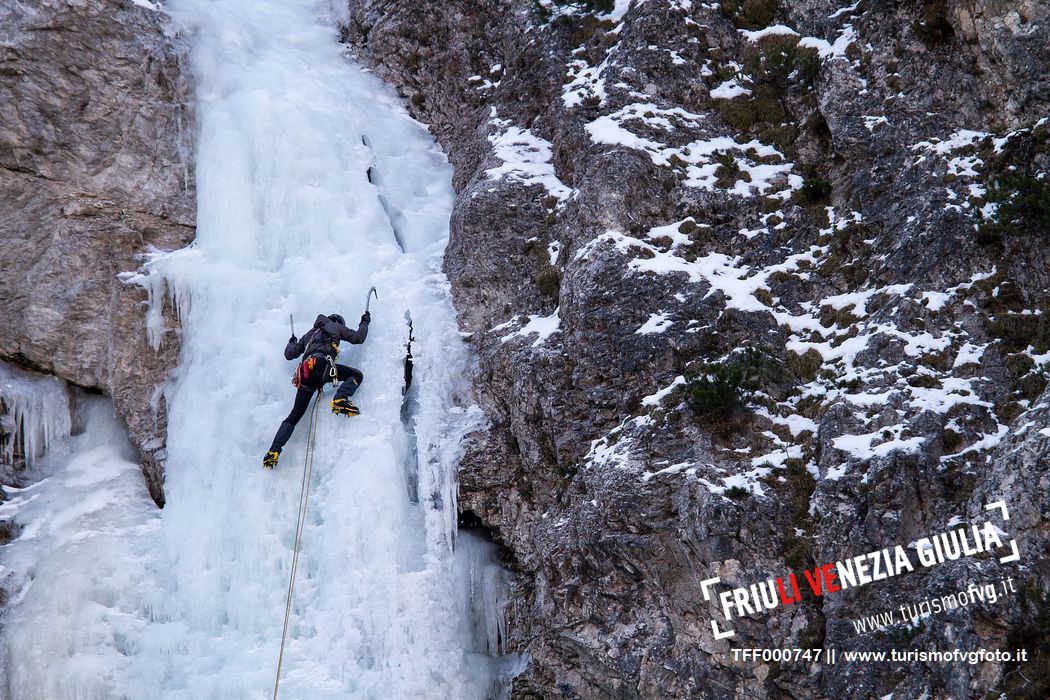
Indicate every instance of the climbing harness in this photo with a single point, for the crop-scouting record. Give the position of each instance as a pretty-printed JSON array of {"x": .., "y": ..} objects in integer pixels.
[
  {"x": 303, "y": 369},
  {"x": 304, "y": 497}
]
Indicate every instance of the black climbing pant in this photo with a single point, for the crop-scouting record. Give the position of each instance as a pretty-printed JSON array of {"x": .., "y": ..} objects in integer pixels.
[{"x": 351, "y": 378}]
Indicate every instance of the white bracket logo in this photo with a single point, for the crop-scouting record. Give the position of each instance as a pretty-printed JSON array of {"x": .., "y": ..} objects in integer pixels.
[
  {"x": 719, "y": 634},
  {"x": 1001, "y": 505}
]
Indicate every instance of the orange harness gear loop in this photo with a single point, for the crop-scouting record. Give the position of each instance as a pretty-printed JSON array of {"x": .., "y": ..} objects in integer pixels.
[{"x": 303, "y": 369}]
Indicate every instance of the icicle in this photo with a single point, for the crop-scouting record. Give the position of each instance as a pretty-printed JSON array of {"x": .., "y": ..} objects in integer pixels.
[
  {"x": 38, "y": 410},
  {"x": 155, "y": 328},
  {"x": 483, "y": 594},
  {"x": 153, "y": 277},
  {"x": 153, "y": 282}
]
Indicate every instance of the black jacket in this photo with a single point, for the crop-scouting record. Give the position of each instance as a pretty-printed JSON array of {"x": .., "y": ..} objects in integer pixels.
[{"x": 324, "y": 338}]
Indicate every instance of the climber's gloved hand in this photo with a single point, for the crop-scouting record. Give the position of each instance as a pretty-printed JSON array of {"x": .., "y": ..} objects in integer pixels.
[
  {"x": 293, "y": 339},
  {"x": 366, "y": 317}
]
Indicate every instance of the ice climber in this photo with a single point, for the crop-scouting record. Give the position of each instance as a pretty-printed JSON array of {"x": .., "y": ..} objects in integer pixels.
[{"x": 320, "y": 347}]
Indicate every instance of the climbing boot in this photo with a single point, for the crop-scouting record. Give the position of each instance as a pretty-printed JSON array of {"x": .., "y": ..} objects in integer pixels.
[
  {"x": 270, "y": 460},
  {"x": 344, "y": 407}
]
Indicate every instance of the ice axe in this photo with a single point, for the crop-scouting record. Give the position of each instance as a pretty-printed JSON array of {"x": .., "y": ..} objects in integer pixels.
[
  {"x": 368, "y": 297},
  {"x": 291, "y": 324}
]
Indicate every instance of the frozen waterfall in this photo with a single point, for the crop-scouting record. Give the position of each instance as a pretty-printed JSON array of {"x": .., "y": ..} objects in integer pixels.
[{"x": 114, "y": 599}]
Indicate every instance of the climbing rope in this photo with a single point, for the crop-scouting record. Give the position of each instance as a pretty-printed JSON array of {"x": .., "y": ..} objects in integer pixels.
[{"x": 304, "y": 496}]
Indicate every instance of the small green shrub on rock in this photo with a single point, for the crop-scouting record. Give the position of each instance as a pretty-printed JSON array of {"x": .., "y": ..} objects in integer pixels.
[
  {"x": 1023, "y": 207},
  {"x": 815, "y": 190},
  {"x": 721, "y": 389},
  {"x": 737, "y": 493},
  {"x": 751, "y": 14}
]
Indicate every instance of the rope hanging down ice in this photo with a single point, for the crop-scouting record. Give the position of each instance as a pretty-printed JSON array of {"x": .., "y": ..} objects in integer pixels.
[{"x": 304, "y": 497}]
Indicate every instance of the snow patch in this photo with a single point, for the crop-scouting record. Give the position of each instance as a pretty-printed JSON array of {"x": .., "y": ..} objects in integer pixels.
[
  {"x": 762, "y": 169},
  {"x": 657, "y": 323},
  {"x": 655, "y": 399},
  {"x": 826, "y": 50},
  {"x": 543, "y": 326},
  {"x": 729, "y": 89},
  {"x": 969, "y": 354},
  {"x": 954, "y": 142},
  {"x": 866, "y": 446},
  {"x": 620, "y": 8},
  {"x": 872, "y": 123},
  {"x": 775, "y": 30},
  {"x": 526, "y": 159},
  {"x": 720, "y": 271}
]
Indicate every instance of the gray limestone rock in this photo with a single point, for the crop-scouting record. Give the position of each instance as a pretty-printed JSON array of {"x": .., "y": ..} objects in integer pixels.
[{"x": 95, "y": 168}]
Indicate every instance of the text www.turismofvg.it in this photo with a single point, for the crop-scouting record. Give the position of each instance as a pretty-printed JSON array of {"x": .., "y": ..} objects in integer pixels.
[{"x": 913, "y": 613}]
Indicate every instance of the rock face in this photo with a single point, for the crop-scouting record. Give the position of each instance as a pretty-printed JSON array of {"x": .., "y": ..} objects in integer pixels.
[
  {"x": 754, "y": 286},
  {"x": 95, "y": 169}
]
